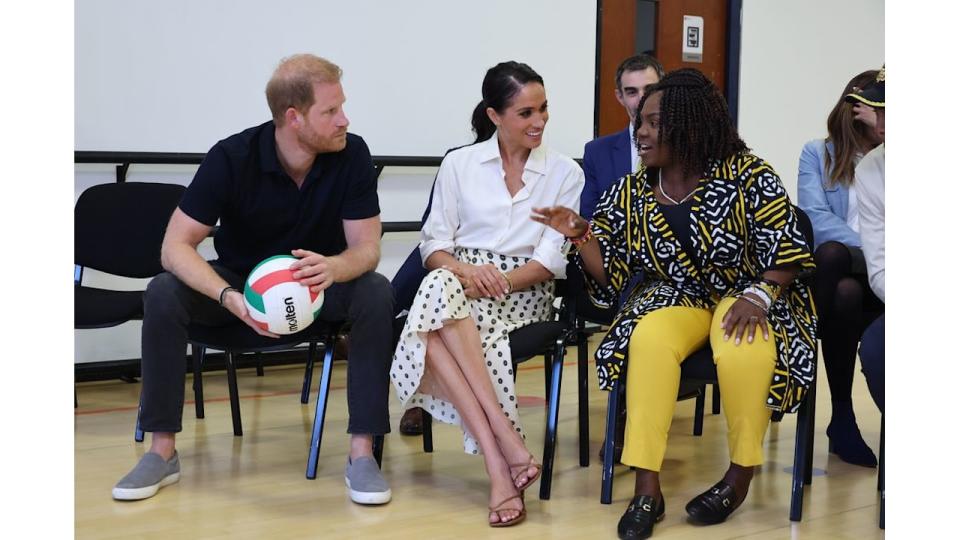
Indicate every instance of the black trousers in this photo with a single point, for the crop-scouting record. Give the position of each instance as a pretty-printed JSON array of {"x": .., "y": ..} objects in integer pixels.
[
  {"x": 170, "y": 306},
  {"x": 872, "y": 359}
]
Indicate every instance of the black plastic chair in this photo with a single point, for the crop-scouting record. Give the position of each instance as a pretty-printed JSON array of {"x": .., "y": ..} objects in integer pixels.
[
  {"x": 239, "y": 339},
  {"x": 549, "y": 339},
  {"x": 118, "y": 229},
  {"x": 699, "y": 368},
  {"x": 587, "y": 312},
  {"x": 235, "y": 340}
]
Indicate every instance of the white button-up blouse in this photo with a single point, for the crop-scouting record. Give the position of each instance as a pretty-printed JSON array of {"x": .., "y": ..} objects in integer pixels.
[{"x": 472, "y": 207}]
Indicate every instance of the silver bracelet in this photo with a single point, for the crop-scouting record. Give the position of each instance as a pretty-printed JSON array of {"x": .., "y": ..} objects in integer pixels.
[
  {"x": 754, "y": 302},
  {"x": 761, "y": 294}
]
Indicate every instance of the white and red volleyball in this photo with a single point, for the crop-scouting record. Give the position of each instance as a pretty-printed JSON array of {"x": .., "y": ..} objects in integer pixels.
[{"x": 276, "y": 301}]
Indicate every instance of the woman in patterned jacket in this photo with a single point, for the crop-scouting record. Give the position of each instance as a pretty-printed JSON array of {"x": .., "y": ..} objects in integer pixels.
[{"x": 714, "y": 232}]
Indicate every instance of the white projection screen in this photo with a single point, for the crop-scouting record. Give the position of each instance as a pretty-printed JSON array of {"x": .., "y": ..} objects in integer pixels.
[{"x": 179, "y": 75}]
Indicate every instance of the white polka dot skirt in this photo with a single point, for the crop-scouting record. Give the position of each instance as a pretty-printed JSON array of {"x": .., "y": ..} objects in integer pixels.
[{"x": 441, "y": 298}]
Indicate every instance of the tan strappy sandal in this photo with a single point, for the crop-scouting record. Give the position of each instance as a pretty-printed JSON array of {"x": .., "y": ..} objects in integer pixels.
[
  {"x": 526, "y": 466},
  {"x": 496, "y": 509}
]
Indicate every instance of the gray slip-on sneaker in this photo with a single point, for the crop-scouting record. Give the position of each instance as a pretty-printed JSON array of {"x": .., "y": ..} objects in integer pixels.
[
  {"x": 365, "y": 483},
  {"x": 150, "y": 474}
]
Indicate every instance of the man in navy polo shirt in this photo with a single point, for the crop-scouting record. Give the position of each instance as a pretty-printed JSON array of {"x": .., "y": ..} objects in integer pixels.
[{"x": 297, "y": 184}]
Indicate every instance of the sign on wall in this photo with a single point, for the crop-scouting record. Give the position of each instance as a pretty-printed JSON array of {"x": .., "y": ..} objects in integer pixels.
[{"x": 692, "y": 38}]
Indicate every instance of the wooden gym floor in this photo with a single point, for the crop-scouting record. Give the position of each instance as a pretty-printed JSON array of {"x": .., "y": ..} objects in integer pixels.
[{"x": 254, "y": 486}]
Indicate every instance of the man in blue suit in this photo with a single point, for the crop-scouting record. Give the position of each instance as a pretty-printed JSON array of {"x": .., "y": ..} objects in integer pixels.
[{"x": 608, "y": 158}]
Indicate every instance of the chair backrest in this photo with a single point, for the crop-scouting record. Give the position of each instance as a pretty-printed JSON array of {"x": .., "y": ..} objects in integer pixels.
[
  {"x": 806, "y": 228},
  {"x": 118, "y": 228}
]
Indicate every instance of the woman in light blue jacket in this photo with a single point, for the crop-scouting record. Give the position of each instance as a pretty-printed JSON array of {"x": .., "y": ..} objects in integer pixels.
[{"x": 845, "y": 303}]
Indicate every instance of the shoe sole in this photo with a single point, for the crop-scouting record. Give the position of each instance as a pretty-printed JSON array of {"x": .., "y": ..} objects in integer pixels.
[
  {"x": 657, "y": 519},
  {"x": 136, "y": 494},
  {"x": 696, "y": 517},
  {"x": 831, "y": 448},
  {"x": 365, "y": 497}
]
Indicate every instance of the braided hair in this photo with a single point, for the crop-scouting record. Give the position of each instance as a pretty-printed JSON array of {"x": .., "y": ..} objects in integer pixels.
[{"x": 694, "y": 120}]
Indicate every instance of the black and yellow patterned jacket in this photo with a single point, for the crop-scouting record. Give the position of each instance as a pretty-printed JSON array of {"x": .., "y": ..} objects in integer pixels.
[{"x": 743, "y": 225}]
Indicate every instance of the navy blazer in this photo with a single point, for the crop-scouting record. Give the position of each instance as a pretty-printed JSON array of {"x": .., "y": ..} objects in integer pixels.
[
  {"x": 826, "y": 204},
  {"x": 605, "y": 160}
]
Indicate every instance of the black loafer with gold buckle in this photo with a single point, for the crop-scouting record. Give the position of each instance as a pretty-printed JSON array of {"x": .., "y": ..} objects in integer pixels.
[
  {"x": 714, "y": 505},
  {"x": 637, "y": 522}
]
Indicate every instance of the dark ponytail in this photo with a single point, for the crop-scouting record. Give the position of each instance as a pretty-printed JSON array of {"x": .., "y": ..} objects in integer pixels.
[
  {"x": 501, "y": 83},
  {"x": 482, "y": 125}
]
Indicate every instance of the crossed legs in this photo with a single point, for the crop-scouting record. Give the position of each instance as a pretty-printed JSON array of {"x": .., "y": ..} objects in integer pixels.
[{"x": 455, "y": 372}]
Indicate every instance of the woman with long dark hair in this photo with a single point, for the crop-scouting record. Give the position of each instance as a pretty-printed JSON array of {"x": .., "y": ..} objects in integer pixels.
[
  {"x": 491, "y": 272},
  {"x": 713, "y": 231},
  {"x": 843, "y": 297}
]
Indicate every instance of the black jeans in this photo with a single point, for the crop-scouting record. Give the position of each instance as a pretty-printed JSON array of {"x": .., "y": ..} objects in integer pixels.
[{"x": 170, "y": 307}]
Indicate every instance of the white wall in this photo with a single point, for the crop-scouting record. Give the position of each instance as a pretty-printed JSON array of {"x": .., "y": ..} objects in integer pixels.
[
  {"x": 178, "y": 75},
  {"x": 797, "y": 56}
]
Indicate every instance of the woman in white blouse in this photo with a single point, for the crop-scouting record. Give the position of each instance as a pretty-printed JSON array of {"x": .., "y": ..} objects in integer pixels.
[{"x": 491, "y": 272}]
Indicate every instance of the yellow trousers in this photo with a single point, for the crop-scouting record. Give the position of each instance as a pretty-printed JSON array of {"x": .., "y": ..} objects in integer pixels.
[{"x": 659, "y": 344}]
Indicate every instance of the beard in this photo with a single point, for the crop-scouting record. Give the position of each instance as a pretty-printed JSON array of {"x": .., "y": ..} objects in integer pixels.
[{"x": 319, "y": 144}]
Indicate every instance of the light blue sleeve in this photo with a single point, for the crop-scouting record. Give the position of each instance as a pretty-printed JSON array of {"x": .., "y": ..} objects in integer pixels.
[{"x": 812, "y": 199}]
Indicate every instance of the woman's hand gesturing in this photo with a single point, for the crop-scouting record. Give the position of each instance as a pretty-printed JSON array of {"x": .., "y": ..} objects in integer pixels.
[{"x": 561, "y": 219}]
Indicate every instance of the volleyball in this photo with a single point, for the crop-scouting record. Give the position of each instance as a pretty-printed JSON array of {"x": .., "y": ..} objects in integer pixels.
[{"x": 276, "y": 301}]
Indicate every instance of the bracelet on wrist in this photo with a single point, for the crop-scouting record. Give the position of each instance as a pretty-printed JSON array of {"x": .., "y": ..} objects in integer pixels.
[
  {"x": 772, "y": 288},
  {"x": 760, "y": 293},
  {"x": 583, "y": 238},
  {"x": 757, "y": 303},
  {"x": 509, "y": 282},
  {"x": 224, "y": 292}
]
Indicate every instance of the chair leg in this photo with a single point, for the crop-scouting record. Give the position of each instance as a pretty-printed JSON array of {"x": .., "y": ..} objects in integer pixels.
[
  {"x": 308, "y": 373},
  {"x": 427, "y": 432},
  {"x": 716, "y": 398},
  {"x": 880, "y": 479},
  {"x": 198, "y": 354},
  {"x": 800, "y": 459},
  {"x": 583, "y": 416},
  {"x": 137, "y": 430},
  {"x": 546, "y": 377},
  {"x": 812, "y": 420},
  {"x": 606, "y": 482},
  {"x": 378, "y": 449},
  {"x": 313, "y": 460},
  {"x": 234, "y": 394},
  {"x": 698, "y": 410},
  {"x": 258, "y": 357},
  {"x": 553, "y": 413}
]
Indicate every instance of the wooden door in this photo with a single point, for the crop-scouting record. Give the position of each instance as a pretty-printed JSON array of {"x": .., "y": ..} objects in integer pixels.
[
  {"x": 670, "y": 36},
  {"x": 617, "y": 24}
]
